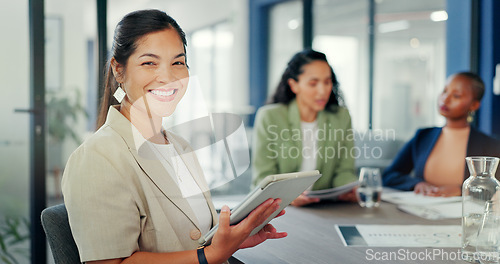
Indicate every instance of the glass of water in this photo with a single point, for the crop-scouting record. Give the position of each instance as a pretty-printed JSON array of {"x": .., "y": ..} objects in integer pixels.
[{"x": 370, "y": 187}]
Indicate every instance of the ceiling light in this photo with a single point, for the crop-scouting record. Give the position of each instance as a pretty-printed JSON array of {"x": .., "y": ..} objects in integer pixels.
[
  {"x": 293, "y": 24},
  {"x": 393, "y": 26},
  {"x": 439, "y": 16},
  {"x": 414, "y": 43}
]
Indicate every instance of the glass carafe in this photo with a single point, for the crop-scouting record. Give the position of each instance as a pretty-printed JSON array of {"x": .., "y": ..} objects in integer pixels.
[
  {"x": 479, "y": 188},
  {"x": 488, "y": 235}
]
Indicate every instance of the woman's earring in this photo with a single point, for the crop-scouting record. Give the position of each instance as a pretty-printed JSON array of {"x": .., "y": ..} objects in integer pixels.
[
  {"x": 470, "y": 117},
  {"x": 119, "y": 94}
]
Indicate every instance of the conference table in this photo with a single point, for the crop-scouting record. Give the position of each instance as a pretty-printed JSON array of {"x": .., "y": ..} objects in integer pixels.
[{"x": 312, "y": 237}]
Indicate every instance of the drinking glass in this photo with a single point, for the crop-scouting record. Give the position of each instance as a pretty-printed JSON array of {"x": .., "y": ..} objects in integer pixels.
[
  {"x": 369, "y": 190},
  {"x": 488, "y": 235}
]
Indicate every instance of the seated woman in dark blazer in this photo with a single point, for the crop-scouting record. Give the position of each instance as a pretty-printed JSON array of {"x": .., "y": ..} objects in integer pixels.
[{"x": 437, "y": 155}]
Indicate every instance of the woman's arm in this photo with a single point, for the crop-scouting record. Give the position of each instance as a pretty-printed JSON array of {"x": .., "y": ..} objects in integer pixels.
[
  {"x": 428, "y": 189},
  {"x": 344, "y": 172},
  {"x": 265, "y": 147},
  {"x": 226, "y": 240},
  {"x": 397, "y": 175}
]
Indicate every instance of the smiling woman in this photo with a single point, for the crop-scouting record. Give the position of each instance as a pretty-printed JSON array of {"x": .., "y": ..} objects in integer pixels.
[{"x": 135, "y": 192}]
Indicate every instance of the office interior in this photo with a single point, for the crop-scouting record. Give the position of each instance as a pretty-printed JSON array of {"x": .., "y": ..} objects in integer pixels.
[{"x": 391, "y": 57}]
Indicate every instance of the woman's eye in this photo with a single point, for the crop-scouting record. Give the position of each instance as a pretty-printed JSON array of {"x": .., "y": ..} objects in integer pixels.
[
  {"x": 179, "y": 63},
  {"x": 147, "y": 63}
]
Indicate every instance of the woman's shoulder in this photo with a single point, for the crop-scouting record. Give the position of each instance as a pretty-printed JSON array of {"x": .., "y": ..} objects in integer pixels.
[
  {"x": 337, "y": 110},
  {"x": 273, "y": 108},
  {"x": 103, "y": 154},
  {"x": 274, "y": 112},
  {"x": 482, "y": 137},
  {"x": 425, "y": 135},
  {"x": 104, "y": 141},
  {"x": 426, "y": 131}
]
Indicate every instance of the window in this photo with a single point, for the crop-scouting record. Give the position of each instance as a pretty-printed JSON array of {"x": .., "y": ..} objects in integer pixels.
[
  {"x": 409, "y": 70},
  {"x": 408, "y": 56},
  {"x": 15, "y": 142},
  {"x": 71, "y": 84},
  {"x": 341, "y": 32},
  {"x": 209, "y": 52},
  {"x": 285, "y": 39}
]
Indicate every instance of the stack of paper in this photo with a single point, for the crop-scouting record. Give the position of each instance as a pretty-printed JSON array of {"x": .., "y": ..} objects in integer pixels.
[
  {"x": 332, "y": 193},
  {"x": 428, "y": 207}
]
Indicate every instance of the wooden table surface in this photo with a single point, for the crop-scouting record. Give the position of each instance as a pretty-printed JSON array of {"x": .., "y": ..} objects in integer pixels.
[{"x": 312, "y": 237}]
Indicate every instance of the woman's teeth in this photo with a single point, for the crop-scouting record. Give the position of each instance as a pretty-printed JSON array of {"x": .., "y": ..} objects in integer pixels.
[{"x": 162, "y": 92}]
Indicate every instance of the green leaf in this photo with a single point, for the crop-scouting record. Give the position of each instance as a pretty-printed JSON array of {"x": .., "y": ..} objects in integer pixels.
[
  {"x": 2, "y": 243},
  {"x": 21, "y": 239},
  {"x": 5, "y": 260}
]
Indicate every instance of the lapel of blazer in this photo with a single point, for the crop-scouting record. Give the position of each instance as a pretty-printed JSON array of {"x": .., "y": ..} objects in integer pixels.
[
  {"x": 149, "y": 163},
  {"x": 188, "y": 155},
  {"x": 294, "y": 125},
  {"x": 321, "y": 144}
]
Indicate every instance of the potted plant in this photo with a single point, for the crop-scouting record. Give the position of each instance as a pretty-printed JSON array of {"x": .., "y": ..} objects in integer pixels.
[
  {"x": 14, "y": 238},
  {"x": 63, "y": 110}
]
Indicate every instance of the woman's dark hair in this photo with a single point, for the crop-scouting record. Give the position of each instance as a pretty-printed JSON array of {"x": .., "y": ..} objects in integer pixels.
[
  {"x": 284, "y": 93},
  {"x": 477, "y": 84},
  {"x": 129, "y": 30}
]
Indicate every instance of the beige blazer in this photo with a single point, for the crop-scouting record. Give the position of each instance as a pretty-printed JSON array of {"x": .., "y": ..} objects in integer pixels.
[{"x": 120, "y": 200}]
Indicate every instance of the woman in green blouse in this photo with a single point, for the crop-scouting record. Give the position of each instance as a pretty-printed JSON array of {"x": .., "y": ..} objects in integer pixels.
[{"x": 305, "y": 127}]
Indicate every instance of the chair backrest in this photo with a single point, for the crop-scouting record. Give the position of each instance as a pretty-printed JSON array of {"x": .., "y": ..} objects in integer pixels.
[{"x": 61, "y": 242}]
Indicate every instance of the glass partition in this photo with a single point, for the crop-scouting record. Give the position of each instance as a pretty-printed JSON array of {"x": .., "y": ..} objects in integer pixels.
[
  {"x": 285, "y": 39},
  {"x": 71, "y": 84},
  {"x": 15, "y": 133},
  {"x": 409, "y": 59},
  {"x": 410, "y": 38},
  {"x": 341, "y": 32}
]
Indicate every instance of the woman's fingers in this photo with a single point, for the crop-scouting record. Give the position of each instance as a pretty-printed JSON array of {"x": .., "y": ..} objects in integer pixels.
[
  {"x": 269, "y": 228},
  {"x": 280, "y": 214},
  {"x": 304, "y": 200},
  {"x": 271, "y": 232},
  {"x": 224, "y": 217},
  {"x": 261, "y": 213},
  {"x": 264, "y": 210}
]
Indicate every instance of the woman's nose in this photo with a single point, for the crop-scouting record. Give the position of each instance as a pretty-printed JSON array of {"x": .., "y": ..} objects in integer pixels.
[
  {"x": 165, "y": 76},
  {"x": 322, "y": 89},
  {"x": 444, "y": 97}
]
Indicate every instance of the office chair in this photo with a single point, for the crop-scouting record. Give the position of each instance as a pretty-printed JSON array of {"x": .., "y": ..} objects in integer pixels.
[{"x": 56, "y": 226}]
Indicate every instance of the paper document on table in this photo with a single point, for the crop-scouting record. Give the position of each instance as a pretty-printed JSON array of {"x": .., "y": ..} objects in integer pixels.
[
  {"x": 332, "y": 193},
  {"x": 416, "y": 199},
  {"x": 439, "y": 236},
  {"x": 434, "y": 211}
]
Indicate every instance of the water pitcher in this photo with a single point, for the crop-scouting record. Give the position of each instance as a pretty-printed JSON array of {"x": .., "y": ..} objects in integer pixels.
[{"x": 477, "y": 190}]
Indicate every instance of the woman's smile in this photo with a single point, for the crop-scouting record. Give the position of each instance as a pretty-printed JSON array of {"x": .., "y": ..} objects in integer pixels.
[{"x": 164, "y": 95}]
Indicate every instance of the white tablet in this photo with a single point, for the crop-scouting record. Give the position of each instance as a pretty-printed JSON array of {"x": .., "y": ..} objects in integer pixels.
[{"x": 286, "y": 186}]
